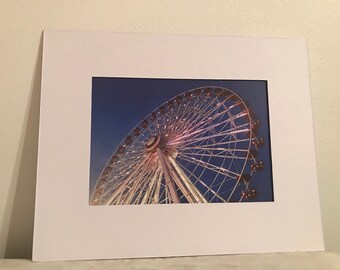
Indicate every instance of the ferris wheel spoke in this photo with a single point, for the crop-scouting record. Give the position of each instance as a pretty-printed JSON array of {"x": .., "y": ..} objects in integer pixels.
[
  {"x": 233, "y": 190},
  {"x": 143, "y": 187},
  {"x": 123, "y": 172},
  {"x": 206, "y": 120},
  {"x": 215, "y": 152},
  {"x": 225, "y": 179},
  {"x": 164, "y": 196},
  {"x": 219, "y": 105},
  {"x": 234, "y": 135},
  {"x": 113, "y": 166},
  {"x": 213, "y": 144},
  {"x": 202, "y": 182},
  {"x": 124, "y": 183},
  {"x": 185, "y": 109},
  {"x": 157, "y": 188},
  {"x": 202, "y": 116},
  {"x": 222, "y": 124},
  {"x": 209, "y": 166},
  {"x": 193, "y": 136},
  {"x": 192, "y": 107},
  {"x": 130, "y": 194},
  {"x": 226, "y": 133},
  {"x": 137, "y": 183},
  {"x": 215, "y": 155},
  {"x": 175, "y": 115},
  {"x": 195, "y": 110},
  {"x": 147, "y": 181},
  {"x": 190, "y": 132},
  {"x": 208, "y": 102},
  {"x": 130, "y": 160},
  {"x": 231, "y": 161},
  {"x": 162, "y": 123},
  {"x": 181, "y": 181},
  {"x": 198, "y": 114},
  {"x": 217, "y": 147},
  {"x": 151, "y": 186},
  {"x": 204, "y": 125},
  {"x": 198, "y": 197},
  {"x": 135, "y": 153}
]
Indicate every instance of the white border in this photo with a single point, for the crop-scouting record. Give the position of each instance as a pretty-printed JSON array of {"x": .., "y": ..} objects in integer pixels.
[{"x": 67, "y": 228}]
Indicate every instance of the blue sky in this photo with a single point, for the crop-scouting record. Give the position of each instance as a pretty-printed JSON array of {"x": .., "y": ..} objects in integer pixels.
[{"x": 119, "y": 104}]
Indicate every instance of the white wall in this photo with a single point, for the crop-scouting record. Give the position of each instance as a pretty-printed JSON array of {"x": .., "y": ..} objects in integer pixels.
[{"x": 21, "y": 25}]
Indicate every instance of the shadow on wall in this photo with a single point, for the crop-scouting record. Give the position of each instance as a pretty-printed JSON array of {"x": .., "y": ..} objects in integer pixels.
[{"x": 20, "y": 232}]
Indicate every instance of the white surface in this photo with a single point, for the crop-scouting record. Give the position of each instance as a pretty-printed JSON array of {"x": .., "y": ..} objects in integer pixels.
[
  {"x": 275, "y": 261},
  {"x": 70, "y": 59},
  {"x": 21, "y": 25}
]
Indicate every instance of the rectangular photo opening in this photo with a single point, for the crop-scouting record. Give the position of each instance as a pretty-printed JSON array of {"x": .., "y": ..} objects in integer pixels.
[{"x": 165, "y": 141}]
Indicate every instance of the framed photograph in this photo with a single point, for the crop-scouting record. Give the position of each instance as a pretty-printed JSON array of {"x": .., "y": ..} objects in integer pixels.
[{"x": 169, "y": 145}]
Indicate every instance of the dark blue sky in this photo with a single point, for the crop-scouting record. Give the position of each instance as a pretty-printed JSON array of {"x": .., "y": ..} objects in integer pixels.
[{"x": 119, "y": 104}]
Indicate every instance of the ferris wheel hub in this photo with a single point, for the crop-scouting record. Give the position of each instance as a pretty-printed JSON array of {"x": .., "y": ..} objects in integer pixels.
[{"x": 152, "y": 143}]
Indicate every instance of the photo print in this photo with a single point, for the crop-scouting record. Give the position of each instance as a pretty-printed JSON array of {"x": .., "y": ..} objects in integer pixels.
[{"x": 165, "y": 141}]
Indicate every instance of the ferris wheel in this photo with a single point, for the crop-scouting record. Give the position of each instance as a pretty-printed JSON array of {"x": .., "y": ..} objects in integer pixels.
[{"x": 198, "y": 147}]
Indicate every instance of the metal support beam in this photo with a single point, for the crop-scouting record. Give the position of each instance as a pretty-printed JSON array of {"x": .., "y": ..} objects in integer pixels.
[
  {"x": 191, "y": 187},
  {"x": 186, "y": 192},
  {"x": 168, "y": 180}
]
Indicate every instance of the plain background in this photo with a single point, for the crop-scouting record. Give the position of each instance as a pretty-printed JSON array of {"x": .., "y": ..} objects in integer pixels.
[{"x": 21, "y": 26}]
